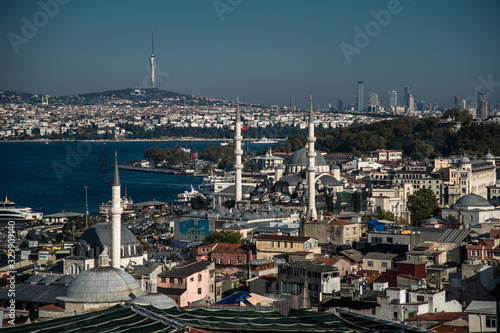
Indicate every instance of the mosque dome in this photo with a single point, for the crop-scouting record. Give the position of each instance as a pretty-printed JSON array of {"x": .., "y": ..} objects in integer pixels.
[
  {"x": 329, "y": 180},
  {"x": 464, "y": 160},
  {"x": 34, "y": 278},
  {"x": 489, "y": 156},
  {"x": 100, "y": 235},
  {"x": 102, "y": 284},
  {"x": 300, "y": 158},
  {"x": 472, "y": 200},
  {"x": 160, "y": 301},
  {"x": 290, "y": 180}
]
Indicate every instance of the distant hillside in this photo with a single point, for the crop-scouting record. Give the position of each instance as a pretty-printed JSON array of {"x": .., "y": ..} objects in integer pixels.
[
  {"x": 417, "y": 138},
  {"x": 133, "y": 96}
]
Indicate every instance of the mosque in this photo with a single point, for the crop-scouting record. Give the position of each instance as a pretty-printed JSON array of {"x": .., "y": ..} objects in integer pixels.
[
  {"x": 307, "y": 169},
  {"x": 106, "y": 285}
]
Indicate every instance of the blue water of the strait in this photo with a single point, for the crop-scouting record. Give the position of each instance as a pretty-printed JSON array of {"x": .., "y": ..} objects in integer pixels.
[{"x": 50, "y": 178}]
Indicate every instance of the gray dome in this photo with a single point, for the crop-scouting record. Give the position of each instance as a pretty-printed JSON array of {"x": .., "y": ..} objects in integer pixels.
[
  {"x": 335, "y": 166},
  {"x": 65, "y": 280},
  {"x": 160, "y": 301},
  {"x": 489, "y": 156},
  {"x": 472, "y": 200},
  {"x": 329, "y": 180},
  {"x": 102, "y": 284},
  {"x": 300, "y": 158},
  {"x": 100, "y": 234},
  {"x": 290, "y": 180},
  {"x": 34, "y": 278},
  {"x": 464, "y": 160},
  {"x": 49, "y": 279}
]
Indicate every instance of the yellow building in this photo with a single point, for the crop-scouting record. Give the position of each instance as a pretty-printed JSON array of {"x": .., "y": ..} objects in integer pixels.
[{"x": 270, "y": 245}]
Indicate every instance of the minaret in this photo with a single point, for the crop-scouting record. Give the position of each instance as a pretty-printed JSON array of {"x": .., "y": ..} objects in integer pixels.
[
  {"x": 311, "y": 168},
  {"x": 238, "y": 152},
  {"x": 153, "y": 62},
  {"x": 116, "y": 213}
]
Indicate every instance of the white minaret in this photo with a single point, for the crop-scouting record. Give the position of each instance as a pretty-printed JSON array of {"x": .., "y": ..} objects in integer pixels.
[
  {"x": 153, "y": 62},
  {"x": 116, "y": 213},
  {"x": 311, "y": 168},
  {"x": 238, "y": 152}
]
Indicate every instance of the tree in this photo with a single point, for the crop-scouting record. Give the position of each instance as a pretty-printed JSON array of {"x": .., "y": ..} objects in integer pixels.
[
  {"x": 422, "y": 204},
  {"x": 145, "y": 244},
  {"x": 227, "y": 236}
]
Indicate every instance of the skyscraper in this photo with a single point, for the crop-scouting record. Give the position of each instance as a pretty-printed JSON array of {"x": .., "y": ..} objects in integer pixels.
[
  {"x": 457, "y": 102},
  {"x": 153, "y": 62},
  {"x": 411, "y": 103},
  {"x": 341, "y": 105},
  {"x": 373, "y": 100},
  {"x": 360, "y": 97},
  {"x": 393, "y": 98},
  {"x": 406, "y": 97},
  {"x": 482, "y": 105}
]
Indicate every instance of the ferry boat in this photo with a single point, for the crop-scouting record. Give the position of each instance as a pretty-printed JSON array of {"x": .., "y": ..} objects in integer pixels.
[
  {"x": 265, "y": 141},
  {"x": 186, "y": 196},
  {"x": 105, "y": 207},
  {"x": 207, "y": 187},
  {"x": 9, "y": 212}
]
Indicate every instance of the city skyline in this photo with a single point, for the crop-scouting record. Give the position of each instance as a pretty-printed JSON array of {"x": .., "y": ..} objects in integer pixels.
[{"x": 264, "y": 52}]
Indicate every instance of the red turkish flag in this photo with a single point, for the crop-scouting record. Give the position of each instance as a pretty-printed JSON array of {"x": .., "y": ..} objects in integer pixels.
[
  {"x": 193, "y": 156},
  {"x": 244, "y": 127}
]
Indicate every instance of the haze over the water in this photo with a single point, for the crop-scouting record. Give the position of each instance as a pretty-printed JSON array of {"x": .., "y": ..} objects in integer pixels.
[{"x": 263, "y": 51}]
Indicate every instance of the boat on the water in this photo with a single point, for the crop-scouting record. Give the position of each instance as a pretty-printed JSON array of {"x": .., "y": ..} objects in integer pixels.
[
  {"x": 186, "y": 196},
  {"x": 207, "y": 187},
  {"x": 265, "y": 141},
  {"x": 10, "y": 212}
]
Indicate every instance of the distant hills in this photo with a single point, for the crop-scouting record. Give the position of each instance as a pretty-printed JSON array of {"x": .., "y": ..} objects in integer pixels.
[{"x": 133, "y": 96}]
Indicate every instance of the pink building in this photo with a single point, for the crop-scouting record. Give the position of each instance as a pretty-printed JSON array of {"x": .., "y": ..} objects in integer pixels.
[
  {"x": 226, "y": 253},
  {"x": 189, "y": 282}
]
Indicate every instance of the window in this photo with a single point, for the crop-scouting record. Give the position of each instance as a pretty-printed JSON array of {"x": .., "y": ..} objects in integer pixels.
[
  {"x": 179, "y": 280},
  {"x": 230, "y": 261},
  {"x": 420, "y": 298},
  {"x": 172, "y": 280},
  {"x": 199, "y": 291},
  {"x": 199, "y": 277},
  {"x": 220, "y": 261},
  {"x": 163, "y": 280},
  {"x": 384, "y": 264},
  {"x": 369, "y": 263},
  {"x": 374, "y": 311},
  {"x": 191, "y": 279},
  {"x": 491, "y": 322},
  {"x": 239, "y": 261}
]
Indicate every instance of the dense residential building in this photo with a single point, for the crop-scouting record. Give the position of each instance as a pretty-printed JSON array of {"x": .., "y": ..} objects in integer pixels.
[
  {"x": 226, "y": 254},
  {"x": 189, "y": 282},
  {"x": 270, "y": 245},
  {"x": 308, "y": 277}
]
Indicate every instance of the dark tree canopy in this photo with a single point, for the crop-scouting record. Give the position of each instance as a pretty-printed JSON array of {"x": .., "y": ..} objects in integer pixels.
[
  {"x": 227, "y": 236},
  {"x": 423, "y": 204}
]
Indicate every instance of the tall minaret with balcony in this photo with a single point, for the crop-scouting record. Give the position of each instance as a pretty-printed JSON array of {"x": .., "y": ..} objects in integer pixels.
[
  {"x": 311, "y": 168},
  {"x": 116, "y": 214},
  {"x": 238, "y": 152}
]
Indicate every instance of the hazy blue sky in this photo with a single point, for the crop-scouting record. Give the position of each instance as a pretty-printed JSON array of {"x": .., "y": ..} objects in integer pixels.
[{"x": 262, "y": 50}]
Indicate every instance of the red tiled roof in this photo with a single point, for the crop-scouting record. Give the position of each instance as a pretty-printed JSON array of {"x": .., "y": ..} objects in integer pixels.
[
  {"x": 229, "y": 248},
  {"x": 439, "y": 316},
  {"x": 336, "y": 221},
  {"x": 301, "y": 253},
  {"x": 51, "y": 307}
]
